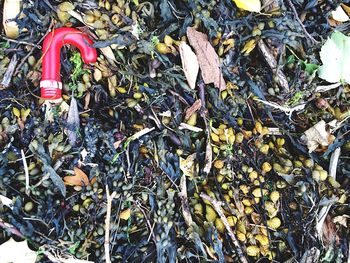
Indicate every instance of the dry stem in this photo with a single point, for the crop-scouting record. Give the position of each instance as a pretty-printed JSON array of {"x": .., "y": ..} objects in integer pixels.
[
  {"x": 26, "y": 172},
  {"x": 107, "y": 222}
]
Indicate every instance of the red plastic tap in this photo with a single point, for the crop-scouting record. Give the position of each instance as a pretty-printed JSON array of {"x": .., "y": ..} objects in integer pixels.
[{"x": 50, "y": 84}]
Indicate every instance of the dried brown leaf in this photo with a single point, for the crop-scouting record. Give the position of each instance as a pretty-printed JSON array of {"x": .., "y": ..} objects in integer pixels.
[
  {"x": 79, "y": 178},
  {"x": 208, "y": 60},
  {"x": 193, "y": 109},
  {"x": 189, "y": 64}
]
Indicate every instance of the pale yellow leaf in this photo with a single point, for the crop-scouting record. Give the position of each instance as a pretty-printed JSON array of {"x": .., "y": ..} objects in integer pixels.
[
  {"x": 188, "y": 166},
  {"x": 317, "y": 135},
  {"x": 249, "y": 5},
  {"x": 108, "y": 53},
  {"x": 342, "y": 220},
  {"x": 189, "y": 64},
  {"x": 16, "y": 252},
  {"x": 125, "y": 215}
]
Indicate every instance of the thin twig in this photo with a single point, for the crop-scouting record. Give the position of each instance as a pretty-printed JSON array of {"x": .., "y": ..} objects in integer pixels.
[
  {"x": 26, "y": 171},
  {"x": 147, "y": 221},
  {"x": 10, "y": 228},
  {"x": 5, "y": 83},
  {"x": 287, "y": 110},
  {"x": 31, "y": 52},
  {"x": 204, "y": 112},
  {"x": 301, "y": 23},
  {"x": 107, "y": 223},
  {"x": 322, "y": 214},
  {"x": 184, "y": 202},
  {"x": 217, "y": 206},
  {"x": 21, "y": 42}
]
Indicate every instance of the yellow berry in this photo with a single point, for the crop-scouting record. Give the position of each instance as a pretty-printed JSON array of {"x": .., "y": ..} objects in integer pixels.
[
  {"x": 210, "y": 214},
  {"x": 244, "y": 188},
  {"x": 308, "y": 163},
  {"x": 216, "y": 150},
  {"x": 219, "y": 225},
  {"x": 192, "y": 120},
  {"x": 265, "y": 131},
  {"x": 168, "y": 40},
  {"x": 280, "y": 142},
  {"x": 214, "y": 137},
  {"x": 219, "y": 164},
  {"x": 274, "y": 223},
  {"x": 263, "y": 240},
  {"x": 281, "y": 184},
  {"x": 264, "y": 149},
  {"x": 231, "y": 139},
  {"x": 246, "y": 202},
  {"x": 253, "y": 251},
  {"x": 258, "y": 127},
  {"x": 198, "y": 209},
  {"x": 239, "y": 138},
  {"x": 253, "y": 175},
  {"x": 257, "y": 192},
  {"x": 225, "y": 186},
  {"x": 16, "y": 112},
  {"x": 323, "y": 175},
  {"x": 266, "y": 167},
  {"x": 222, "y": 137},
  {"x": 241, "y": 236},
  {"x": 248, "y": 210},
  {"x": 224, "y": 94},
  {"x": 232, "y": 220},
  {"x": 163, "y": 48},
  {"x": 274, "y": 196},
  {"x": 220, "y": 177}
]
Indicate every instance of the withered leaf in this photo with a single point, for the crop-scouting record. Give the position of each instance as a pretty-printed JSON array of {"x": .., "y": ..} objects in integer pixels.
[
  {"x": 193, "y": 109},
  {"x": 207, "y": 58},
  {"x": 317, "y": 135},
  {"x": 78, "y": 179},
  {"x": 73, "y": 122},
  {"x": 125, "y": 215},
  {"x": 189, "y": 64}
]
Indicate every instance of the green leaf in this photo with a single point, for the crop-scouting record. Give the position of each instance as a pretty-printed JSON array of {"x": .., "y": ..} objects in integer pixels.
[
  {"x": 310, "y": 68},
  {"x": 335, "y": 57}
]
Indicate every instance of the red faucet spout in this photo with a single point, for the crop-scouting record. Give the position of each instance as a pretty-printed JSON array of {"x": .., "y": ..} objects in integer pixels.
[{"x": 51, "y": 85}]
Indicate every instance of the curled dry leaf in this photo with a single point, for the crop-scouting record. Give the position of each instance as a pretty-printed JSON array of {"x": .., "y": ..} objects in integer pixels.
[
  {"x": 189, "y": 64},
  {"x": 11, "y": 10},
  {"x": 342, "y": 220},
  {"x": 208, "y": 60},
  {"x": 317, "y": 135},
  {"x": 188, "y": 166},
  {"x": 193, "y": 109},
  {"x": 78, "y": 179}
]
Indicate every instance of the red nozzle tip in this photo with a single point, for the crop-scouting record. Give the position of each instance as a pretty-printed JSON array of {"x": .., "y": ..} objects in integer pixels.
[{"x": 51, "y": 59}]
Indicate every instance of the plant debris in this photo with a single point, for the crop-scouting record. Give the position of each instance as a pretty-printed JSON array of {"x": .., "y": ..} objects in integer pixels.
[{"x": 206, "y": 131}]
